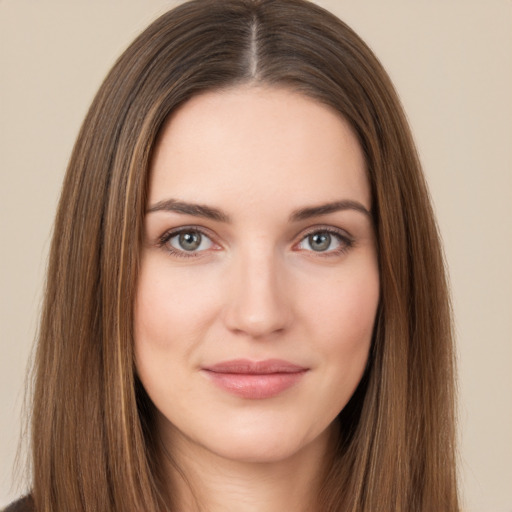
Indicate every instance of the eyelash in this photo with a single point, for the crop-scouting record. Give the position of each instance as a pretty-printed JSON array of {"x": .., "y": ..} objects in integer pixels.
[
  {"x": 346, "y": 242},
  {"x": 163, "y": 241}
]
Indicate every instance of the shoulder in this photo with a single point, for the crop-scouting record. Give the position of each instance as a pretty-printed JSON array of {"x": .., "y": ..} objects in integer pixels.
[{"x": 23, "y": 505}]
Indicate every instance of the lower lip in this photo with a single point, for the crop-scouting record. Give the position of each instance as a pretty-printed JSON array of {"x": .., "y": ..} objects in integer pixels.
[{"x": 255, "y": 386}]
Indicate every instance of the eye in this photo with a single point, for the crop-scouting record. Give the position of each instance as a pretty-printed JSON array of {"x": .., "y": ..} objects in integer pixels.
[
  {"x": 325, "y": 241},
  {"x": 186, "y": 242}
]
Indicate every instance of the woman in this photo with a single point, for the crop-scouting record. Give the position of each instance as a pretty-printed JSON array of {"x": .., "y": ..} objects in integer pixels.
[{"x": 246, "y": 305}]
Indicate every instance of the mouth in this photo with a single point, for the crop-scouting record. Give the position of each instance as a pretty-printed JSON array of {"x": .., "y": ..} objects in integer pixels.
[{"x": 255, "y": 380}]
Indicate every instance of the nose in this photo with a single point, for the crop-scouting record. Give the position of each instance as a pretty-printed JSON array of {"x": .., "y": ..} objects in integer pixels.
[{"x": 258, "y": 304}]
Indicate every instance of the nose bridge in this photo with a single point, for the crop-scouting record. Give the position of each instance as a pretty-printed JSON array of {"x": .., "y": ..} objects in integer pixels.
[{"x": 258, "y": 304}]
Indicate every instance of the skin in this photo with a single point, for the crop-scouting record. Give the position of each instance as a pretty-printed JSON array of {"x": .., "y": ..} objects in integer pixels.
[{"x": 255, "y": 289}]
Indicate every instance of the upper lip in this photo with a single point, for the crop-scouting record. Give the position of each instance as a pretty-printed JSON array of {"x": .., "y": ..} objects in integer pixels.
[{"x": 246, "y": 366}]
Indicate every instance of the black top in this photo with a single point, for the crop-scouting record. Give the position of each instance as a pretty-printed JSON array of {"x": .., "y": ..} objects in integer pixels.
[{"x": 23, "y": 505}]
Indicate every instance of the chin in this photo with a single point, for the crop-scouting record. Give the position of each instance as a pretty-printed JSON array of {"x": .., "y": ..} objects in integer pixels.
[{"x": 264, "y": 445}]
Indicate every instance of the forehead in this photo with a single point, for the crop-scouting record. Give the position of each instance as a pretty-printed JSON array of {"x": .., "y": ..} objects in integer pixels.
[{"x": 257, "y": 145}]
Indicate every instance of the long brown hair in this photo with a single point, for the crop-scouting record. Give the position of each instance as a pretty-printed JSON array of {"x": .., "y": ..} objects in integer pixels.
[{"x": 92, "y": 438}]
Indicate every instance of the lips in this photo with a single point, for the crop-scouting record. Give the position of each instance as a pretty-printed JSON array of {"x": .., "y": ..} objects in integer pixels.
[{"x": 255, "y": 379}]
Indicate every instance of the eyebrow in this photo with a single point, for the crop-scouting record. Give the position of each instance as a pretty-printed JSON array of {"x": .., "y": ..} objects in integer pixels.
[
  {"x": 325, "y": 209},
  {"x": 197, "y": 210},
  {"x": 209, "y": 212}
]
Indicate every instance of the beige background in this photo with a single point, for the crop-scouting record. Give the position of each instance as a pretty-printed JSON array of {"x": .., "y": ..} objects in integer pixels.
[{"x": 452, "y": 64}]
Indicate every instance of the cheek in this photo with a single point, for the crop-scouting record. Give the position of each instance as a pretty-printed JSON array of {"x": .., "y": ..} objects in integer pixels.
[
  {"x": 172, "y": 314},
  {"x": 171, "y": 305},
  {"x": 341, "y": 319},
  {"x": 344, "y": 309}
]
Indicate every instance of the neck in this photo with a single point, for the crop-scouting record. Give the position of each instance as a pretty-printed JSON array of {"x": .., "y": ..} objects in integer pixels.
[{"x": 204, "y": 481}]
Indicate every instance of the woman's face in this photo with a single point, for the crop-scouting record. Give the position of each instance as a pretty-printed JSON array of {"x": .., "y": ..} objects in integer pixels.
[{"x": 259, "y": 280}]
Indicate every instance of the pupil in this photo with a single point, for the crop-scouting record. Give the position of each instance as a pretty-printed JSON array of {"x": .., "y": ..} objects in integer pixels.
[
  {"x": 190, "y": 241},
  {"x": 320, "y": 241}
]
